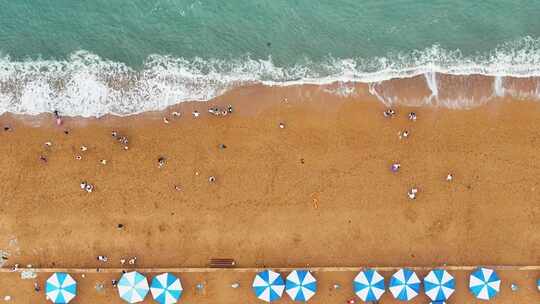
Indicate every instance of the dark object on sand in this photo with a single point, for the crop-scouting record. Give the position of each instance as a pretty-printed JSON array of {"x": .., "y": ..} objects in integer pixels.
[
  {"x": 120, "y": 226},
  {"x": 7, "y": 128},
  {"x": 222, "y": 263}
]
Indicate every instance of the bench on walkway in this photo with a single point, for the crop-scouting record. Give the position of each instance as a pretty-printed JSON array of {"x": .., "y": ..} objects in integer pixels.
[{"x": 222, "y": 263}]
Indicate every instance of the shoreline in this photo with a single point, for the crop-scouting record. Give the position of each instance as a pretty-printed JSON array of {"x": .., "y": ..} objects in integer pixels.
[{"x": 430, "y": 89}]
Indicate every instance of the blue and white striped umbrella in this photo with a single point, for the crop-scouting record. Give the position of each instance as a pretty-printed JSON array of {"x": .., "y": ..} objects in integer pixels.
[
  {"x": 60, "y": 288},
  {"x": 166, "y": 288},
  {"x": 133, "y": 287},
  {"x": 301, "y": 285},
  {"x": 538, "y": 284},
  {"x": 268, "y": 285},
  {"x": 484, "y": 283},
  {"x": 404, "y": 284},
  {"x": 439, "y": 285},
  {"x": 369, "y": 285}
]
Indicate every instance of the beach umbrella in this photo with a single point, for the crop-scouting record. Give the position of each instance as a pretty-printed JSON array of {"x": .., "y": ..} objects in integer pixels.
[
  {"x": 133, "y": 287},
  {"x": 538, "y": 284},
  {"x": 369, "y": 285},
  {"x": 268, "y": 285},
  {"x": 404, "y": 284},
  {"x": 166, "y": 288},
  {"x": 484, "y": 283},
  {"x": 439, "y": 285},
  {"x": 60, "y": 288},
  {"x": 301, "y": 285}
]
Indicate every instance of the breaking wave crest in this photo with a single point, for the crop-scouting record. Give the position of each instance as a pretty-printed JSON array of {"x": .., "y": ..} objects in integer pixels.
[{"x": 86, "y": 85}]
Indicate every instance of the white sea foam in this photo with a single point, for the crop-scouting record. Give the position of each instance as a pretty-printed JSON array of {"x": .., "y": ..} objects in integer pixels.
[{"x": 86, "y": 85}]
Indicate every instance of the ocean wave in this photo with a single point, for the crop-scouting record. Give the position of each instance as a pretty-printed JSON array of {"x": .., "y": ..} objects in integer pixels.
[{"x": 87, "y": 85}]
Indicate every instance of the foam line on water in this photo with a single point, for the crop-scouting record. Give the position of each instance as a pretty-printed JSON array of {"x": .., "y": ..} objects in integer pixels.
[{"x": 86, "y": 85}]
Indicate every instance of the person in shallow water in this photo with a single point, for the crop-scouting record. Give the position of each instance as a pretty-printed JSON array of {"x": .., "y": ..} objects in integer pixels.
[{"x": 57, "y": 117}]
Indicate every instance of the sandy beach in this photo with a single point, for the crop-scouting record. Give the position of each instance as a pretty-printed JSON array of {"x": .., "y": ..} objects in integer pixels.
[{"x": 318, "y": 192}]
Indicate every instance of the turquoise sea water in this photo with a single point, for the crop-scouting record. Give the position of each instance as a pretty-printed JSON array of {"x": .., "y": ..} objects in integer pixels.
[{"x": 72, "y": 54}]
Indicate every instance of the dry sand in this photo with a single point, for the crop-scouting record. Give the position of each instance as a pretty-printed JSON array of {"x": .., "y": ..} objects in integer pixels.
[{"x": 317, "y": 193}]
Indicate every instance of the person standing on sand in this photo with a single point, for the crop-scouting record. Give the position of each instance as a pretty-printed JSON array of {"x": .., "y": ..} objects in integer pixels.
[
  {"x": 161, "y": 162},
  {"x": 412, "y": 193},
  {"x": 403, "y": 134}
]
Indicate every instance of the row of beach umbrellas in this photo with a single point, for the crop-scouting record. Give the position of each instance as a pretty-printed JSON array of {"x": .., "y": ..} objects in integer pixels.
[
  {"x": 133, "y": 287},
  {"x": 369, "y": 285},
  {"x": 300, "y": 285}
]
